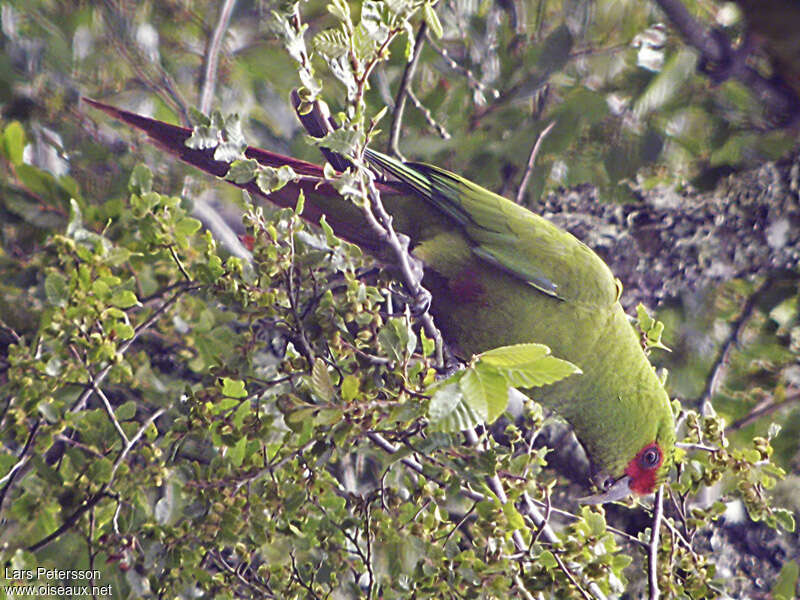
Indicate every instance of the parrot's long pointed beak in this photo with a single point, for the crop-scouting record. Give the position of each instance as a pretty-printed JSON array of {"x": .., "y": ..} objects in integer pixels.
[{"x": 620, "y": 490}]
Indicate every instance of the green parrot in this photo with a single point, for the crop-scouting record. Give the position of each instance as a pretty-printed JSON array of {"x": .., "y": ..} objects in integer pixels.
[{"x": 499, "y": 275}]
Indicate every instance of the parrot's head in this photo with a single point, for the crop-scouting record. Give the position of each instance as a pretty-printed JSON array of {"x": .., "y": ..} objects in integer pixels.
[{"x": 642, "y": 474}]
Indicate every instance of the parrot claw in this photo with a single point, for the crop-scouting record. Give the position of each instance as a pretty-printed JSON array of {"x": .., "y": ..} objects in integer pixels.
[{"x": 422, "y": 303}]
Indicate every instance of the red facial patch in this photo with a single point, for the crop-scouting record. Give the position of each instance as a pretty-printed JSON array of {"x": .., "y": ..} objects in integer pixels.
[
  {"x": 643, "y": 469},
  {"x": 466, "y": 287}
]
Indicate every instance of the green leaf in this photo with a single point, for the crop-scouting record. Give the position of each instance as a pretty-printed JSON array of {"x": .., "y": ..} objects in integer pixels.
[
  {"x": 14, "y": 142},
  {"x": 350, "y": 388},
  {"x": 341, "y": 10},
  {"x": 236, "y": 452},
  {"x": 547, "y": 560},
  {"x": 55, "y": 289},
  {"x": 514, "y": 356},
  {"x": 343, "y": 141},
  {"x": 486, "y": 392},
  {"x": 233, "y": 388},
  {"x": 271, "y": 180},
  {"x": 595, "y": 521},
  {"x": 242, "y": 171},
  {"x": 321, "y": 381},
  {"x": 448, "y": 410},
  {"x": 187, "y": 226},
  {"x": 527, "y": 365},
  {"x": 444, "y": 401},
  {"x": 141, "y": 180},
  {"x": 100, "y": 470},
  {"x": 432, "y": 20},
  {"x": 515, "y": 519},
  {"x": 397, "y": 339},
  {"x": 126, "y": 411},
  {"x": 784, "y": 519},
  {"x": 331, "y": 43},
  {"x": 124, "y": 299},
  {"x": 786, "y": 584},
  {"x": 123, "y": 331},
  {"x": 245, "y": 408}
]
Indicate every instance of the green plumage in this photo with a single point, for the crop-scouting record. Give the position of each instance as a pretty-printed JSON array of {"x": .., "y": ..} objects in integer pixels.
[
  {"x": 538, "y": 283},
  {"x": 500, "y": 275}
]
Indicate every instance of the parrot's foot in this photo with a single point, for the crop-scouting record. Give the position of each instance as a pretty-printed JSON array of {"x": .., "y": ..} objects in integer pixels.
[{"x": 421, "y": 303}]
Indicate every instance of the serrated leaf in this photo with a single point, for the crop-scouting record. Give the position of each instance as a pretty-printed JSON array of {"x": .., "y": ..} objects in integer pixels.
[
  {"x": 486, "y": 392},
  {"x": 321, "y": 381},
  {"x": 203, "y": 137},
  {"x": 242, "y": 171},
  {"x": 397, "y": 339},
  {"x": 432, "y": 20},
  {"x": 340, "y": 9},
  {"x": 233, "y": 388},
  {"x": 270, "y": 179},
  {"x": 527, "y": 365},
  {"x": 513, "y": 356},
  {"x": 332, "y": 44},
  {"x": 449, "y": 412},
  {"x": 343, "y": 141},
  {"x": 444, "y": 401}
]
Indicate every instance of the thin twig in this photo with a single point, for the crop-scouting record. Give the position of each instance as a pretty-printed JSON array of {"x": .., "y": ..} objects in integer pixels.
[
  {"x": 652, "y": 554},
  {"x": 109, "y": 410},
  {"x": 472, "y": 81},
  {"x": 381, "y": 223},
  {"x": 773, "y": 92},
  {"x": 405, "y": 87},
  {"x": 186, "y": 287},
  {"x": 24, "y": 457},
  {"x": 212, "y": 56},
  {"x": 494, "y": 483},
  {"x": 720, "y": 366},
  {"x": 92, "y": 500},
  {"x": 571, "y": 577},
  {"x": 764, "y": 408},
  {"x": 531, "y": 160},
  {"x": 428, "y": 115}
]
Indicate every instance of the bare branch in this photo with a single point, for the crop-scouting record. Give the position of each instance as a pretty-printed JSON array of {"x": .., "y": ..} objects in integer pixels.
[
  {"x": 652, "y": 554},
  {"x": 531, "y": 160},
  {"x": 212, "y": 56},
  {"x": 405, "y": 87}
]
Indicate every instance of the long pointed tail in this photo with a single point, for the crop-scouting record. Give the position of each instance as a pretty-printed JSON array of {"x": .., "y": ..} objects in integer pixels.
[{"x": 321, "y": 197}]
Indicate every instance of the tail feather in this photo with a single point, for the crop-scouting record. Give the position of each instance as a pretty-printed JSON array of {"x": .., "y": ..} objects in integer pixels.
[
  {"x": 321, "y": 197},
  {"x": 172, "y": 138}
]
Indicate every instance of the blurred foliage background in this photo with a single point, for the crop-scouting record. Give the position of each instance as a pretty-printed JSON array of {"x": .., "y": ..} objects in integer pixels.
[{"x": 159, "y": 421}]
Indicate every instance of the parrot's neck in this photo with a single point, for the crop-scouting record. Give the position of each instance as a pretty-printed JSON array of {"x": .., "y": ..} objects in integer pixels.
[{"x": 625, "y": 403}]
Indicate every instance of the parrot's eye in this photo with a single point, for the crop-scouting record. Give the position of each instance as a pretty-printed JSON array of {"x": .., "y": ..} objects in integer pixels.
[
  {"x": 607, "y": 483},
  {"x": 650, "y": 458}
]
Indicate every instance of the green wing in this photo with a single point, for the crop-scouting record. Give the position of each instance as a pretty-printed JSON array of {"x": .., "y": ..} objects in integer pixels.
[{"x": 509, "y": 236}]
